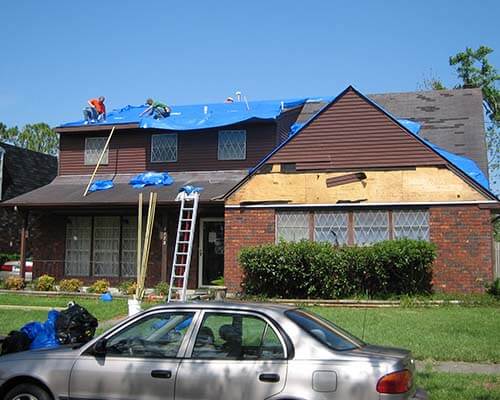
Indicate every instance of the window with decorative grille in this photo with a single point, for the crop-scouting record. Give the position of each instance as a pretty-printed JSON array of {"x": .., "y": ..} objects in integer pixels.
[
  {"x": 232, "y": 145},
  {"x": 164, "y": 147},
  {"x": 78, "y": 239},
  {"x": 292, "y": 226},
  {"x": 331, "y": 226},
  {"x": 412, "y": 224},
  {"x": 129, "y": 247},
  {"x": 370, "y": 227},
  {"x": 106, "y": 246},
  {"x": 93, "y": 150}
]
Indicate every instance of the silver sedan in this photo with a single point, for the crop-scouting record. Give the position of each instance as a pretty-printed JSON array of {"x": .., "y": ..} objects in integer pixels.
[{"x": 214, "y": 351}]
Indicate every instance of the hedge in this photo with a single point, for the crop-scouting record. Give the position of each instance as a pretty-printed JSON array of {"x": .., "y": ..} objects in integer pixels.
[{"x": 319, "y": 270}]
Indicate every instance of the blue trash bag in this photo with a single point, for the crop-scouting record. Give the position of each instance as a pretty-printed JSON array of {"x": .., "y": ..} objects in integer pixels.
[
  {"x": 101, "y": 185},
  {"x": 188, "y": 189},
  {"x": 43, "y": 335},
  {"x": 106, "y": 296},
  {"x": 151, "y": 179}
]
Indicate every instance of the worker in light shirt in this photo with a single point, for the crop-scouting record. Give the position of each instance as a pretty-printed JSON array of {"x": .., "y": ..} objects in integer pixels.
[{"x": 95, "y": 111}]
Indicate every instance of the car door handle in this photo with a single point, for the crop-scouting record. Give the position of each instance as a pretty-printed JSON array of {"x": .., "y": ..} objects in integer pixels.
[
  {"x": 159, "y": 373},
  {"x": 269, "y": 378}
]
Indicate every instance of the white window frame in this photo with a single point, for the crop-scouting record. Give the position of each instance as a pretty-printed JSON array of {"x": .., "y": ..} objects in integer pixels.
[
  {"x": 102, "y": 223},
  {"x": 372, "y": 226},
  {"x": 340, "y": 238},
  {"x": 222, "y": 136},
  {"x": 78, "y": 231},
  {"x": 160, "y": 135},
  {"x": 89, "y": 161},
  {"x": 398, "y": 227},
  {"x": 307, "y": 227}
]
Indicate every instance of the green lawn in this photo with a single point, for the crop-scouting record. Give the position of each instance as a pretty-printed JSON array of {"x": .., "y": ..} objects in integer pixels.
[
  {"x": 444, "y": 386},
  {"x": 439, "y": 333}
]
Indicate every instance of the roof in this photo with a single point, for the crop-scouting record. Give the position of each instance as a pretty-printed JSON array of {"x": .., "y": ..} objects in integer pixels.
[
  {"x": 451, "y": 119},
  {"x": 68, "y": 190},
  {"x": 25, "y": 170},
  {"x": 194, "y": 117}
]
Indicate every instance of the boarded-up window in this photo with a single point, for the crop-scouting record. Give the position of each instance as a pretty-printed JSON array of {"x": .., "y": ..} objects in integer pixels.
[
  {"x": 93, "y": 150},
  {"x": 129, "y": 247},
  {"x": 106, "y": 246},
  {"x": 164, "y": 148},
  {"x": 331, "y": 226},
  {"x": 370, "y": 227},
  {"x": 78, "y": 238},
  {"x": 292, "y": 226},
  {"x": 412, "y": 224},
  {"x": 232, "y": 145}
]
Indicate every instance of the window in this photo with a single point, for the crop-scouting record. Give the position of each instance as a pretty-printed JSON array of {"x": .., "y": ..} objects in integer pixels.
[
  {"x": 232, "y": 145},
  {"x": 292, "y": 226},
  {"x": 106, "y": 246},
  {"x": 164, "y": 147},
  {"x": 236, "y": 337},
  {"x": 155, "y": 336},
  {"x": 93, "y": 150},
  {"x": 412, "y": 224},
  {"x": 331, "y": 227},
  {"x": 370, "y": 227},
  {"x": 78, "y": 239},
  {"x": 324, "y": 331},
  {"x": 129, "y": 247}
]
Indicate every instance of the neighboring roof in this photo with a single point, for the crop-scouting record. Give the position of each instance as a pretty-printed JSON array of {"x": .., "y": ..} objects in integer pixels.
[
  {"x": 68, "y": 190},
  {"x": 198, "y": 116},
  {"x": 25, "y": 170},
  {"x": 451, "y": 119}
]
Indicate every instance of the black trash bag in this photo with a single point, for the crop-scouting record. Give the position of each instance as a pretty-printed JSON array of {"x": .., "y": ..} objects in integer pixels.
[
  {"x": 75, "y": 325},
  {"x": 16, "y": 341}
]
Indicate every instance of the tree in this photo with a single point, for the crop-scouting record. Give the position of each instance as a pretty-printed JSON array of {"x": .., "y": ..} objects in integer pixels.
[{"x": 37, "y": 137}]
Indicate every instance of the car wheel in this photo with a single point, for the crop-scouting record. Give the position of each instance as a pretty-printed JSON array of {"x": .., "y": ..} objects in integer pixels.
[{"x": 27, "y": 391}]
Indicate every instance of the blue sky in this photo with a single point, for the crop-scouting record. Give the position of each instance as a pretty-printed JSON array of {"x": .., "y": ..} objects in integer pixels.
[{"x": 57, "y": 54}]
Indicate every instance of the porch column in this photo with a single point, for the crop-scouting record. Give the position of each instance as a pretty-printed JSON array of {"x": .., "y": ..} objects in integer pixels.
[
  {"x": 22, "y": 250},
  {"x": 164, "y": 246}
]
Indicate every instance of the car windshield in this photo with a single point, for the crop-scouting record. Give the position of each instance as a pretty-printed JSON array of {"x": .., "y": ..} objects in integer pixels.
[{"x": 325, "y": 331}]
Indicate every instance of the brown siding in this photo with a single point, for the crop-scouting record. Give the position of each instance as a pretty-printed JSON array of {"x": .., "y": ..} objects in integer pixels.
[
  {"x": 353, "y": 133},
  {"x": 197, "y": 151}
]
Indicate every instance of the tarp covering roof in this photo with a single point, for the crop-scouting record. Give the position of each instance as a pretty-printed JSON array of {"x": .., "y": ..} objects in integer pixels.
[{"x": 198, "y": 116}]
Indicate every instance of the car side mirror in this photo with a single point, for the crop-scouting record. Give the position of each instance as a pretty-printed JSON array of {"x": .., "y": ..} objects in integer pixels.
[{"x": 100, "y": 347}]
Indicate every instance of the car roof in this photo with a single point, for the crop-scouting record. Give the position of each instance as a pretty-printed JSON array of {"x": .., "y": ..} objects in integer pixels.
[{"x": 228, "y": 305}]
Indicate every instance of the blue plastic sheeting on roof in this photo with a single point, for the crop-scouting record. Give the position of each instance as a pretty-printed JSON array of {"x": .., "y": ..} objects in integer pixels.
[
  {"x": 189, "y": 117},
  {"x": 465, "y": 164},
  {"x": 188, "y": 189},
  {"x": 43, "y": 336},
  {"x": 295, "y": 128},
  {"x": 101, "y": 185},
  {"x": 151, "y": 179}
]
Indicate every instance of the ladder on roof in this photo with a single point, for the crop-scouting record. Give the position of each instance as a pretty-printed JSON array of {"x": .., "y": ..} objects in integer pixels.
[{"x": 183, "y": 246}]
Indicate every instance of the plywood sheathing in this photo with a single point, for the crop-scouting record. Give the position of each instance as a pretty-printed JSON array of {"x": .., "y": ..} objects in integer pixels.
[{"x": 423, "y": 184}]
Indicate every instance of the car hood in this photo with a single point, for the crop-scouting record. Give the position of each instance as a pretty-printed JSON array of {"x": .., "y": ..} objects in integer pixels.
[{"x": 61, "y": 352}]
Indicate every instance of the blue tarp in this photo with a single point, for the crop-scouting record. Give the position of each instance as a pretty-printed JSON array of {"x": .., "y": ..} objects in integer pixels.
[
  {"x": 190, "y": 189},
  {"x": 151, "y": 179},
  {"x": 465, "y": 164},
  {"x": 200, "y": 116},
  {"x": 43, "y": 336},
  {"x": 101, "y": 185}
]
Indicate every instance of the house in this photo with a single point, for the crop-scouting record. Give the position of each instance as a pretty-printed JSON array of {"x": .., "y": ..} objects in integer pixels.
[
  {"x": 21, "y": 171},
  {"x": 339, "y": 169}
]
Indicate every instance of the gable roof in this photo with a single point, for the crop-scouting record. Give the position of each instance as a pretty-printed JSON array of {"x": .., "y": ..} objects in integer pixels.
[{"x": 25, "y": 170}]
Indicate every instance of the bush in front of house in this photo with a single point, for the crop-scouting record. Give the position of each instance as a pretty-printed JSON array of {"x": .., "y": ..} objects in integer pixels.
[
  {"x": 100, "y": 286},
  {"x": 319, "y": 270},
  {"x": 45, "y": 283},
  {"x": 128, "y": 287},
  {"x": 161, "y": 288},
  {"x": 70, "y": 285},
  {"x": 14, "y": 283}
]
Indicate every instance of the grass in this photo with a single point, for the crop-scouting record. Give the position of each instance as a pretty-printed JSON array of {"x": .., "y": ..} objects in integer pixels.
[
  {"x": 445, "y": 386},
  {"x": 440, "y": 333}
]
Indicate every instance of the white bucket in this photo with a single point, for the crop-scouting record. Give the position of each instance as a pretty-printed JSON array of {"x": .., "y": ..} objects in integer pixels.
[{"x": 134, "y": 307}]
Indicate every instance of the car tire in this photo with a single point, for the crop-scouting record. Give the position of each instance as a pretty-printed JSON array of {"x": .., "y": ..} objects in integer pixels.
[{"x": 27, "y": 391}]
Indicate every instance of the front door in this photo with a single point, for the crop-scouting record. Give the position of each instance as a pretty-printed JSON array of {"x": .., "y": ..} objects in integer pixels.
[{"x": 211, "y": 250}]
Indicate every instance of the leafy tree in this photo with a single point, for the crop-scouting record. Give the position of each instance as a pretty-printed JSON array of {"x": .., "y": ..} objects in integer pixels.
[{"x": 38, "y": 137}]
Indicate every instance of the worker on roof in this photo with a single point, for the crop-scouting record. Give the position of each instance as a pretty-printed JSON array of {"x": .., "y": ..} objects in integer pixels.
[
  {"x": 157, "y": 109},
  {"x": 95, "y": 111}
]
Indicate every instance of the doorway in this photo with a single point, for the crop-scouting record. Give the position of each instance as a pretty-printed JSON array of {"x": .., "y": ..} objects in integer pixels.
[{"x": 211, "y": 251}]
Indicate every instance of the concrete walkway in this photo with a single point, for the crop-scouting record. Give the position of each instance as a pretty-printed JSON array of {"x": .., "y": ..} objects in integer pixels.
[{"x": 458, "y": 367}]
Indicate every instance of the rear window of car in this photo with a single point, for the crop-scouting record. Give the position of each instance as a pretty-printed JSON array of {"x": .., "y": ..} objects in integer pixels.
[{"x": 325, "y": 331}]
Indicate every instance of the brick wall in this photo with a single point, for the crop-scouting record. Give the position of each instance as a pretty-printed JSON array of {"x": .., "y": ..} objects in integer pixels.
[
  {"x": 463, "y": 236},
  {"x": 244, "y": 227},
  {"x": 10, "y": 235}
]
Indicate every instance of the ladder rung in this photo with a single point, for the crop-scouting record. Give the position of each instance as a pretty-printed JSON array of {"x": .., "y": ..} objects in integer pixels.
[
  {"x": 180, "y": 264},
  {"x": 183, "y": 241},
  {"x": 184, "y": 230},
  {"x": 187, "y": 209},
  {"x": 187, "y": 219},
  {"x": 182, "y": 253},
  {"x": 178, "y": 276},
  {"x": 176, "y": 288}
]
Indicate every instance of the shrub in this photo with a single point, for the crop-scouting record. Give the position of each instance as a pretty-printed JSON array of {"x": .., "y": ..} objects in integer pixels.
[
  {"x": 8, "y": 257},
  {"x": 99, "y": 286},
  {"x": 318, "y": 270},
  {"x": 45, "y": 283},
  {"x": 14, "y": 283},
  {"x": 161, "y": 288},
  {"x": 128, "y": 287},
  {"x": 218, "y": 282},
  {"x": 70, "y": 285},
  {"x": 494, "y": 288}
]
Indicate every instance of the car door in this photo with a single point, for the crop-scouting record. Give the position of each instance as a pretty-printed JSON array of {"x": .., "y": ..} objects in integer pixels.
[
  {"x": 234, "y": 355},
  {"x": 139, "y": 361}
]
